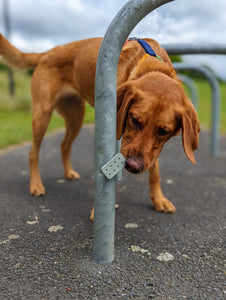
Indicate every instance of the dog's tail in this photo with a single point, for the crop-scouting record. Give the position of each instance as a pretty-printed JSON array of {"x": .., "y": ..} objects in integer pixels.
[{"x": 17, "y": 58}]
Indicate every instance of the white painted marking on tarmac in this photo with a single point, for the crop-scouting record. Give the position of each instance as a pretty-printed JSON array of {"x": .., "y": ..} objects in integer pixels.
[
  {"x": 169, "y": 181},
  {"x": 131, "y": 225},
  {"x": 139, "y": 249},
  {"x": 4, "y": 242},
  {"x": 55, "y": 228},
  {"x": 166, "y": 256},
  {"x": 61, "y": 180},
  {"x": 11, "y": 237},
  {"x": 32, "y": 222},
  {"x": 44, "y": 209}
]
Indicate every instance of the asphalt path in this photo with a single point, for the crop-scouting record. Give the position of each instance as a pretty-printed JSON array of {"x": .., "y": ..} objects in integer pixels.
[{"x": 46, "y": 242}]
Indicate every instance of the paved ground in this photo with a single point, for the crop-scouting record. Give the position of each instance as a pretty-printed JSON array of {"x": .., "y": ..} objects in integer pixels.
[{"x": 37, "y": 263}]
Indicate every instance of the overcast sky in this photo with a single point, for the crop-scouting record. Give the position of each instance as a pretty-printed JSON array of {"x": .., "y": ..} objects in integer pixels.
[{"x": 38, "y": 25}]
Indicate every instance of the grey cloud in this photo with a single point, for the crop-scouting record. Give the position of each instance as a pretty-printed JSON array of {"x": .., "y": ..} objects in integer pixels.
[{"x": 179, "y": 21}]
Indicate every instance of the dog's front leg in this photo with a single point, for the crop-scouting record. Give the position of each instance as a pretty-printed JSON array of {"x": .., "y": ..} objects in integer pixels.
[{"x": 159, "y": 201}]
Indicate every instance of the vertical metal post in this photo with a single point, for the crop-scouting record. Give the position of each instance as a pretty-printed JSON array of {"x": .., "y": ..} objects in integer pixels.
[
  {"x": 204, "y": 49},
  {"x": 118, "y": 177},
  {"x": 105, "y": 121},
  {"x": 192, "y": 89},
  {"x": 215, "y": 97},
  {"x": 6, "y": 18}
]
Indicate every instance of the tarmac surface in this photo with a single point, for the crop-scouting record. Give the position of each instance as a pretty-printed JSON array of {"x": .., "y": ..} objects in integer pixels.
[{"x": 46, "y": 242}]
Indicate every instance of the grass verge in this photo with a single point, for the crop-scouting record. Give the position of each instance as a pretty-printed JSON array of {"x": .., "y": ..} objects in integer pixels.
[{"x": 15, "y": 112}]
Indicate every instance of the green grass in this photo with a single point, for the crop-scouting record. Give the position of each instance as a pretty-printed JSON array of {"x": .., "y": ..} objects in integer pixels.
[
  {"x": 16, "y": 126},
  {"x": 204, "y": 104},
  {"x": 15, "y": 112}
]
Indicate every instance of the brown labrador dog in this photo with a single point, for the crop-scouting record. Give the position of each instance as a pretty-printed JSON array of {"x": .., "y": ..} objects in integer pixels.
[{"x": 151, "y": 105}]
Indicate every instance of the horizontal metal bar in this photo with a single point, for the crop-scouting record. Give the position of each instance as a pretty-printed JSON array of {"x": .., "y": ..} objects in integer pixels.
[{"x": 179, "y": 49}]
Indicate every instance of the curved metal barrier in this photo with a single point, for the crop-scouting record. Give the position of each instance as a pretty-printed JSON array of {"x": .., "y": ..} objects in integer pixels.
[
  {"x": 180, "y": 49},
  {"x": 105, "y": 122},
  {"x": 105, "y": 114},
  {"x": 192, "y": 88},
  {"x": 214, "y": 147}
]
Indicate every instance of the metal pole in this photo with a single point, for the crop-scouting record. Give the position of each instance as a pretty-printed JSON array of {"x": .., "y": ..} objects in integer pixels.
[
  {"x": 7, "y": 35},
  {"x": 180, "y": 49},
  {"x": 192, "y": 88},
  {"x": 118, "y": 148},
  {"x": 105, "y": 122},
  {"x": 214, "y": 147}
]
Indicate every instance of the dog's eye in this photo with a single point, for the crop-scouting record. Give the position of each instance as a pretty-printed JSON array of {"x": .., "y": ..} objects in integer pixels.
[
  {"x": 136, "y": 122},
  {"x": 163, "y": 132}
]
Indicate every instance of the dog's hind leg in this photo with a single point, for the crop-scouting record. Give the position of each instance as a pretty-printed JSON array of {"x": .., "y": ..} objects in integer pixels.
[
  {"x": 72, "y": 107},
  {"x": 40, "y": 122},
  {"x": 43, "y": 102}
]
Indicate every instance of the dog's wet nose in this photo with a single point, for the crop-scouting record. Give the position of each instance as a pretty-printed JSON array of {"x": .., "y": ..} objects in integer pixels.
[{"x": 134, "y": 164}]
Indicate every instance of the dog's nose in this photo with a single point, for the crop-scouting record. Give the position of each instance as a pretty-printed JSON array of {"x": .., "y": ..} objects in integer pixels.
[{"x": 134, "y": 164}]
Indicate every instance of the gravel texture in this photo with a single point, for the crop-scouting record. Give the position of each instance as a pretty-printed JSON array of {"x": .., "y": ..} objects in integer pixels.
[{"x": 46, "y": 242}]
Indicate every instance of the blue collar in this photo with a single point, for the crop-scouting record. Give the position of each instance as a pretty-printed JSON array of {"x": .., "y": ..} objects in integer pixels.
[{"x": 146, "y": 47}]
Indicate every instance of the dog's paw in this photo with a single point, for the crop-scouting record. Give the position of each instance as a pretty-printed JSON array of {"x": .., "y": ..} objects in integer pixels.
[
  {"x": 72, "y": 175},
  {"x": 37, "y": 189},
  {"x": 91, "y": 217},
  {"x": 164, "y": 205}
]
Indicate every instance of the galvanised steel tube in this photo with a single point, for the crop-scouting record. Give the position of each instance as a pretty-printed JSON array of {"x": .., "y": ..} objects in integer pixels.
[
  {"x": 214, "y": 146},
  {"x": 180, "y": 49},
  {"x": 192, "y": 88},
  {"x": 105, "y": 121}
]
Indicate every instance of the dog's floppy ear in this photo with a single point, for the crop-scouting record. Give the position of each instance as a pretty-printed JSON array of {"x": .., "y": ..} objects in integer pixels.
[
  {"x": 125, "y": 98},
  {"x": 190, "y": 131}
]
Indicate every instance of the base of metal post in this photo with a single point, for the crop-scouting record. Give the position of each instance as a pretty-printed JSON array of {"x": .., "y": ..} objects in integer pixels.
[{"x": 104, "y": 233}]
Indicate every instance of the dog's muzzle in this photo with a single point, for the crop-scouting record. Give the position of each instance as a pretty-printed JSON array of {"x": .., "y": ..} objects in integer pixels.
[{"x": 134, "y": 164}]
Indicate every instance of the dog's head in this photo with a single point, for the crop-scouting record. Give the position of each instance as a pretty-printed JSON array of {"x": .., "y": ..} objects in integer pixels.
[{"x": 150, "y": 111}]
